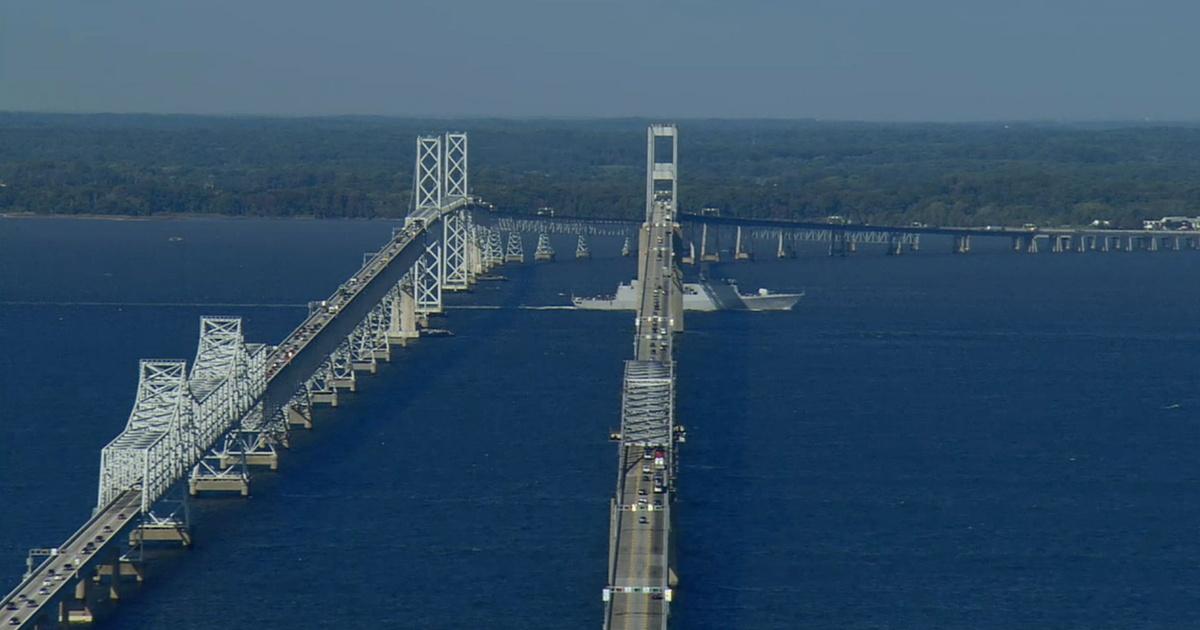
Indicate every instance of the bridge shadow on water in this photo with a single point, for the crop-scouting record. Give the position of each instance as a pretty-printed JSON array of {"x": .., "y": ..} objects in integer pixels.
[{"x": 464, "y": 485}]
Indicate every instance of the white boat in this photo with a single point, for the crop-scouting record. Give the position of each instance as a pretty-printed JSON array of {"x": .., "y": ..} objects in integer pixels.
[{"x": 697, "y": 296}]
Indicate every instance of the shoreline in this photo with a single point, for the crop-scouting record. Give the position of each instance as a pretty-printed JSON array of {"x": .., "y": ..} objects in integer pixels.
[{"x": 182, "y": 216}]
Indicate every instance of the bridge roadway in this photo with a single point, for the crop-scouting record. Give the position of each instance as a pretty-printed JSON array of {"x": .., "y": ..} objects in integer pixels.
[
  {"x": 640, "y": 565},
  {"x": 55, "y": 579},
  {"x": 290, "y": 365}
]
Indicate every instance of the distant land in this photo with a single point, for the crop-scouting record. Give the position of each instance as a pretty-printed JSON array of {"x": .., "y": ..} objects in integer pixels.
[{"x": 882, "y": 173}]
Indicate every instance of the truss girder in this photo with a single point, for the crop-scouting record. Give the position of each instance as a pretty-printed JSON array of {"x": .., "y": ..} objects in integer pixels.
[
  {"x": 158, "y": 439},
  {"x": 340, "y": 367},
  {"x": 647, "y": 403},
  {"x": 870, "y": 237},
  {"x": 369, "y": 337},
  {"x": 566, "y": 226},
  {"x": 321, "y": 381},
  {"x": 178, "y": 415}
]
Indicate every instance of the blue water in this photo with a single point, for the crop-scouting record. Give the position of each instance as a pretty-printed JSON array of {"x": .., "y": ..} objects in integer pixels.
[{"x": 929, "y": 441}]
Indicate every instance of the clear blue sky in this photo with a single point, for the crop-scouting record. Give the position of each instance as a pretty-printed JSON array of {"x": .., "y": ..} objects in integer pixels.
[{"x": 833, "y": 59}]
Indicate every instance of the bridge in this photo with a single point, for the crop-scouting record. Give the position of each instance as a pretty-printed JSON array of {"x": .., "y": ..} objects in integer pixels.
[
  {"x": 641, "y": 573},
  {"x": 706, "y": 232},
  {"x": 202, "y": 428},
  {"x": 709, "y": 237}
]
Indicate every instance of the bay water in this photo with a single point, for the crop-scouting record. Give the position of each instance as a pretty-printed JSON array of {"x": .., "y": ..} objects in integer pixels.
[{"x": 927, "y": 441}]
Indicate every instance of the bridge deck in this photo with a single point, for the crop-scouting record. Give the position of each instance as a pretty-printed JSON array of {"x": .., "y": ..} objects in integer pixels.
[
  {"x": 58, "y": 574},
  {"x": 641, "y": 546},
  {"x": 640, "y": 579}
]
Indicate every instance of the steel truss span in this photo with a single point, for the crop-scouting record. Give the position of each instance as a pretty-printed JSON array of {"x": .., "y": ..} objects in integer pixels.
[{"x": 201, "y": 430}]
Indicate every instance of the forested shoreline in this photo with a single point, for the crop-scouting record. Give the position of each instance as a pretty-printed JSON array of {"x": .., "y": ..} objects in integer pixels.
[{"x": 949, "y": 174}]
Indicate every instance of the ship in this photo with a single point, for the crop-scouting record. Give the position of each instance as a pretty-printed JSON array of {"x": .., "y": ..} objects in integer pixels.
[{"x": 697, "y": 296}]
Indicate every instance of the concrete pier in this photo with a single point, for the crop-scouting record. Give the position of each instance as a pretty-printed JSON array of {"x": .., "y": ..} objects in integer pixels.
[
  {"x": 150, "y": 533},
  {"x": 402, "y": 327},
  {"x": 260, "y": 459},
  {"x": 231, "y": 483},
  {"x": 962, "y": 244},
  {"x": 325, "y": 397},
  {"x": 366, "y": 365},
  {"x": 297, "y": 417}
]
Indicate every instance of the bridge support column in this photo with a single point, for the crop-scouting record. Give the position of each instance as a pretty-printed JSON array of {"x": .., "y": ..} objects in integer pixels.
[
  {"x": 514, "y": 250},
  {"x": 402, "y": 327},
  {"x": 962, "y": 244},
  {"x": 116, "y": 575},
  {"x": 299, "y": 416},
  {"x": 1032, "y": 244},
  {"x": 341, "y": 372},
  {"x": 474, "y": 253},
  {"x": 78, "y": 610},
  {"x": 320, "y": 389},
  {"x": 454, "y": 269},
  {"x": 705, "y": 254},
  {"x": 783, "y": 251},
  {"x": 427, "y": 286},
  {"x": 837, "y": 243},
  {"x": 544, "y": 251},
  {"x": 582, "y": 251},
  {"x": 740, "y": 251}
]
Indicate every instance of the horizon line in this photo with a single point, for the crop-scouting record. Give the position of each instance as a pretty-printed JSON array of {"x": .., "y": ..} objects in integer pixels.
[{"x": 599, "y": 117}]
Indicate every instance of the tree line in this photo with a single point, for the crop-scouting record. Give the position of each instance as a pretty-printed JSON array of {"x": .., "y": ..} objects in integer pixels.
[{"x": 948, "y": 174}]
